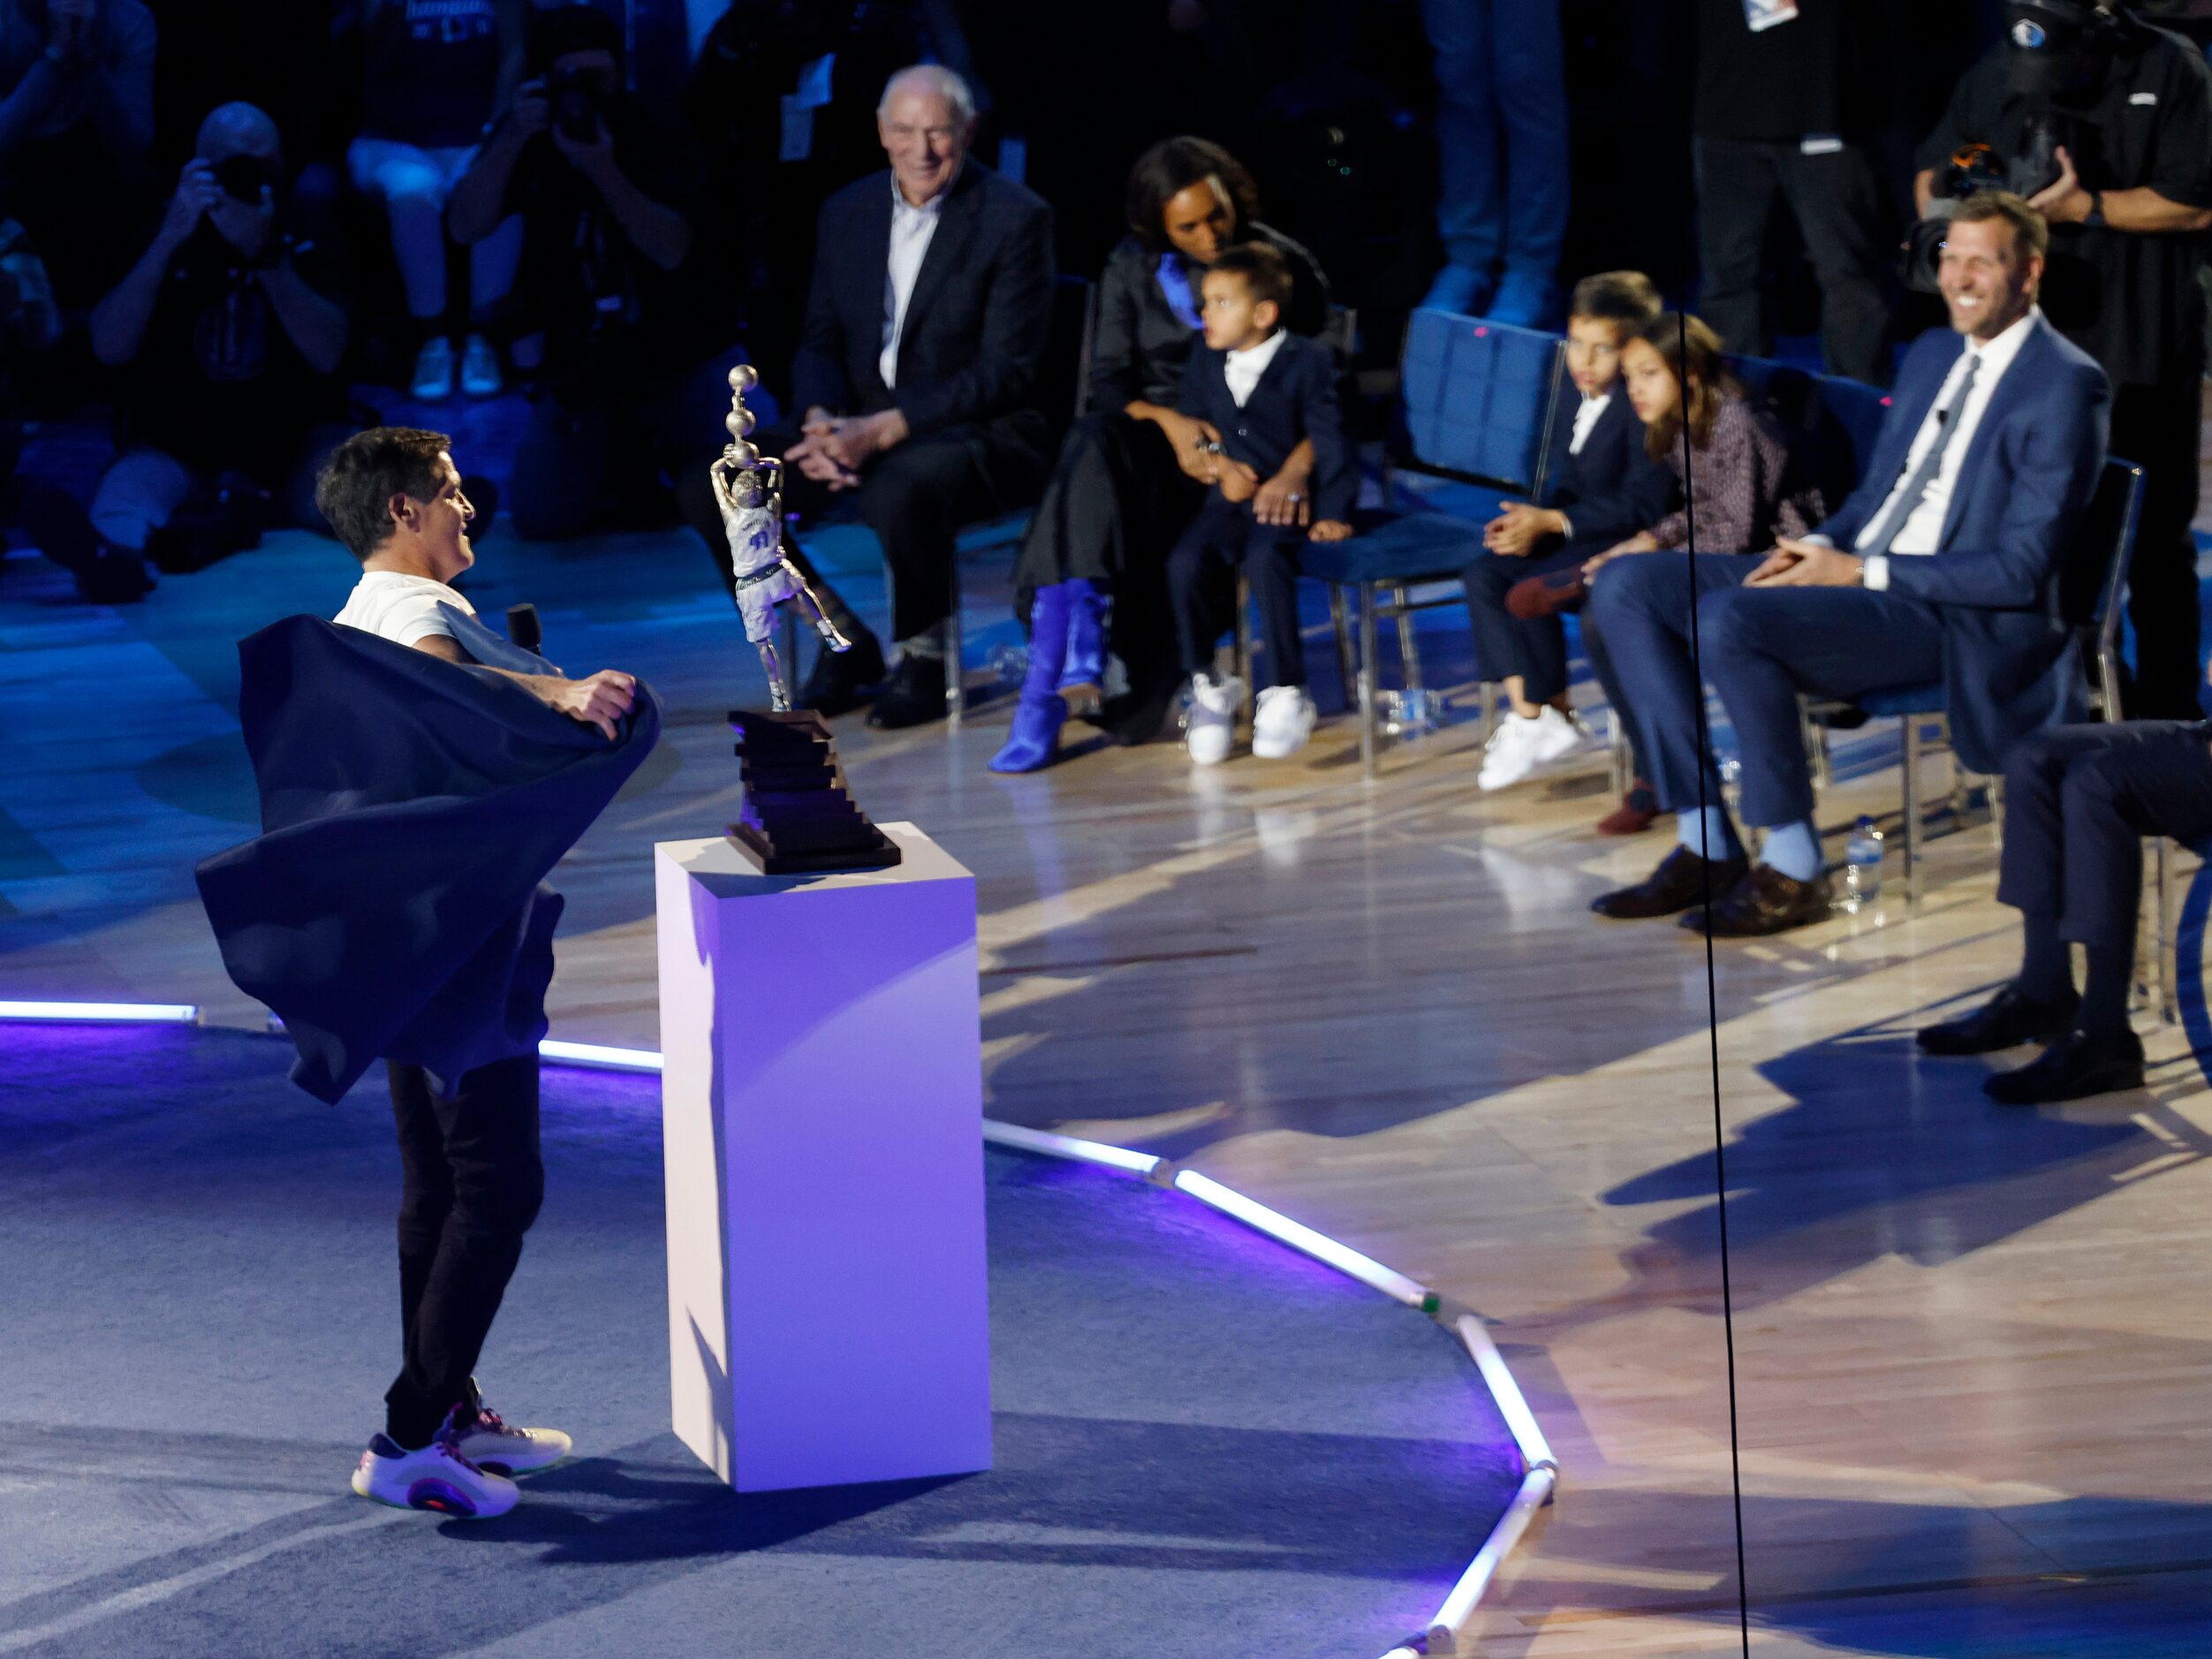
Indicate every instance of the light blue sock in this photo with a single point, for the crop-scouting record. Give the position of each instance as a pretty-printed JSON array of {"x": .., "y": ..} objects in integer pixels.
[
  {"x": 1705, "y": 833},
  {"x": 1795, "y": 850}
]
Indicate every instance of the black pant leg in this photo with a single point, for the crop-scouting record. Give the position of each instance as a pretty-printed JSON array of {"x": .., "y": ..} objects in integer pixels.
[
  {"x": 2032, "y": 859},
  {"x": 1505, "y": 646},
  {"x": 1198, "y": 584},
  {"x": 1836, "y": 199},
  {"x": 2158, "y": 427},
  {"x": 1736, "y": 188},
  {"x": 1271, "y": 568},
  {"x": 915, "y": 499},
  {"x": 488, "y": 1138},
  {"x": 2150, "y": 777},
  {"x": 426, "y": 1192}
]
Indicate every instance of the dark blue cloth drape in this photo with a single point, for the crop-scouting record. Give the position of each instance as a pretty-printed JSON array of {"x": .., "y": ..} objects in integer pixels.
[{"x": 411, "y": 807}]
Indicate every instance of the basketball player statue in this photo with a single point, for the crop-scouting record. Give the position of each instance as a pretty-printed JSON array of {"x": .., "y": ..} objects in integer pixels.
[{"x": 797, "y": 817}]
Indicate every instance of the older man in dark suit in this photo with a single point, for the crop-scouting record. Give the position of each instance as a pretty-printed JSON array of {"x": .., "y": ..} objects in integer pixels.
[
  {"x": 917, "y": 371},
  {"x": 1942, "y": 567}
]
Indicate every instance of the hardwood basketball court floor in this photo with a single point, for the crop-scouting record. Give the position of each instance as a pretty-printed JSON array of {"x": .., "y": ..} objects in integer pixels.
[{"x": 1973, "y": 1347}]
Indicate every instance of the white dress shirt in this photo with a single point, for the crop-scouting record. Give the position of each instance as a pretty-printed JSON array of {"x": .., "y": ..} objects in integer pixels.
[
  {"x": 1922, "y": 532},
  {"x": 911, "y": 228},
  {"x": 1587, "y": 414},
  {"x": 1243, "y": 370}
]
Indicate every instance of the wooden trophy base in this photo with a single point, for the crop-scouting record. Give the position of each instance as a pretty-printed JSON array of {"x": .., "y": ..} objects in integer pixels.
[{"x": 798, "y": 816}]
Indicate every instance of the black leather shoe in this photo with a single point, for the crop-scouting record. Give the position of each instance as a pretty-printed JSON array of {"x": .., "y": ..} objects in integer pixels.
[
  {"x": 1682, "y": 880},
  {"x": 913, "y": 696},
  {"x": 2005, "y": 1021},
  {"x": 842, "y": 680},
  {"x": 1765, "y": 901},
  {"x": 2075, "y": 1066}
]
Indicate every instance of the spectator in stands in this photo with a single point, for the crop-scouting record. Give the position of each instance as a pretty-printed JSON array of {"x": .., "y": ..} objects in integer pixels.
[
  {"x": 1502, "y": 156},
  {"x": 1941, "y": 568},
  {"x": 1788, "y": 100},
  {"x": 917, "y": 371},
  {"x": 2129, "y": 110},
  {"x": 1266, "y": 391},
  {"x": 1092, "y": 570},
  {"x": 2077, "y": 802},
  {"x": 627, "y": 394},
  {"x": 1601, "y": 486},
  {"x": 434, "y": 78},
  {"x": 232, "y": 326},
  {"x": 76, "y": 123}
]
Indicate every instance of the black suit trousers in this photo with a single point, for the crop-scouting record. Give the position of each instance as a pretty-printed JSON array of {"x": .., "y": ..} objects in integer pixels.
[
  {"x": 2078, "y": 801},
  {"x": 471, "y": 1182},
  {"x": 1223, "y": 539}
]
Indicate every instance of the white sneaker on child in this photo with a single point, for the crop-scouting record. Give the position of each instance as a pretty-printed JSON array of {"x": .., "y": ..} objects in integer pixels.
[
  {"x": 1520, "y": 746},
  {"x": 437, "y": 1478},
  {"x": 1281, "y": 722},
  {"x": 1214, "y": 702}
]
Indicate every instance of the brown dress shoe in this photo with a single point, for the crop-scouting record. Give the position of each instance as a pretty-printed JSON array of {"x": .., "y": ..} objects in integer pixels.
[
  {"x": 1682, "y": 880},
  {"x": 1765, "y": 901}
]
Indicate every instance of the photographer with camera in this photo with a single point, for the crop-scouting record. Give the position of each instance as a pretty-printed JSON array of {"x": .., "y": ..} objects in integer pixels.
[
  {"x": 608, "y": 276},
  {"x": 2105, "y": 124},
  {"x": 232, "y": 337}
]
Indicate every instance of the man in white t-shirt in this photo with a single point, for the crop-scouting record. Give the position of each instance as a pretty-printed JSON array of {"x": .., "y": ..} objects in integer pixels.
[
  {"x": 411, "y": 546},
  {"x": 472, "y": 1174}
]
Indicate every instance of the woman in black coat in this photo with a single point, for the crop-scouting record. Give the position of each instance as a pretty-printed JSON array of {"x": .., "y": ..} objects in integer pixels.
[{"x": 1135, "y": 468}]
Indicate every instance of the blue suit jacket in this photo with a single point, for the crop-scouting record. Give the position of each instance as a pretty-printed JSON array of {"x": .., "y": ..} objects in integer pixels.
[
  {"x": 2010, "y": 658},
  {"x": 1296, "y": 398},
  {"x": 1613, "y": 489},
  {"x": 976, "y": 323}
]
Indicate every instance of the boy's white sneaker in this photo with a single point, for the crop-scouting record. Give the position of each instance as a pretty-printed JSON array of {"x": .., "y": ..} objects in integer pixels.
[
  {"x": 493, "y": 1445},
  {"x": 1214, "y": 702},
  {"x": 437, "y": 1478},
  {"x": 1520, "y": 746},
  {"x": 1281, "y": 722}
]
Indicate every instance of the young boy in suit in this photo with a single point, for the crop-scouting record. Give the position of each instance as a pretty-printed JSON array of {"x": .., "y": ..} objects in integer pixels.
[
  {"x": 1260, "y": 392},
  {"x": 1600, "y": 488}
]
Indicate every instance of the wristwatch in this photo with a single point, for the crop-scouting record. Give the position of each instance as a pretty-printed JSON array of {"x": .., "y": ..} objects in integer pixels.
[{"x": 2094, "y": 217}]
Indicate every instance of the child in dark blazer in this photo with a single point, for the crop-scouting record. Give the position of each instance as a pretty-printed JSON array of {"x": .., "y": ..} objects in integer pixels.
[
  {"x": 1600, "y": 488},
  {"x": 1263, "y": 392}
]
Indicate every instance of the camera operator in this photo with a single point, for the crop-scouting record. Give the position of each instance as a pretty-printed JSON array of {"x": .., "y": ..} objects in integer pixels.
[
  {"x": 2122, "y": 113},
  {"x": 228, "y": 328},
  {"x": 608, "y": 268}
]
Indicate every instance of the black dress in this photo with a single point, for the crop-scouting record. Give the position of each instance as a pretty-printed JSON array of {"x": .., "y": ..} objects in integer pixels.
[{"x": 1117, "y": 499}]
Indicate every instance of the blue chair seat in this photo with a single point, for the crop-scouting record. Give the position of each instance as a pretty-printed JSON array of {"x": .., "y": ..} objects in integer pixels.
[
  {"x": 1895, "y": 705},
  {"x": 1393, "y": 550}
]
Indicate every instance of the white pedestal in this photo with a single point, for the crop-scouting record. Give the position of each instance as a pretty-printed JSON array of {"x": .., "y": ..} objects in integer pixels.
[{"x": 821, "y": 1107}]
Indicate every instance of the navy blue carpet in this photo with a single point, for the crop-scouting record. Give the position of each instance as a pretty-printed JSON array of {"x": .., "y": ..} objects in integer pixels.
[{"x": 1206, "y": 1444}]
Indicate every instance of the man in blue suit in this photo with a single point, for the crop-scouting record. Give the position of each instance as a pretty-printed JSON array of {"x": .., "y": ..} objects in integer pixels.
[{"x": 1943, "y": 567}]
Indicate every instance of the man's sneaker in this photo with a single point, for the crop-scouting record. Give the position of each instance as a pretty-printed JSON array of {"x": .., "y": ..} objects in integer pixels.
[
  {"x": 479, "y": 367},
  {"x": 489, "y": 1442},
  {"x": 1281, "y": 722},
  {"x": 1519, "y": 746},
  {"x": 433, "y": 380},
  {"x": 436, "y": 1478},
  {"x": 1215, "y": 701}
]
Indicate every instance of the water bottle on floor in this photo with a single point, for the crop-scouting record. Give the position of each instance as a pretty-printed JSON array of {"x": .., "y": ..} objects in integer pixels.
[{"x": 1862, "y": 864}]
